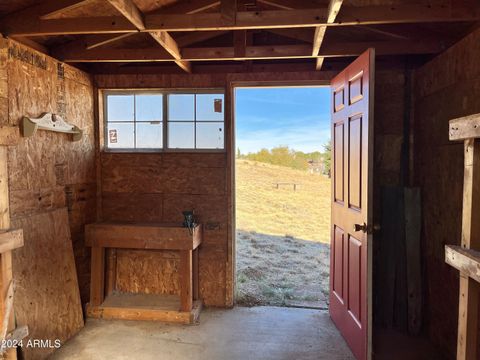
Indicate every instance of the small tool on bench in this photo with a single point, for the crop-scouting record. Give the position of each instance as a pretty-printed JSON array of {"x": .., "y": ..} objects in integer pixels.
[{"x": 189, "y": 220}]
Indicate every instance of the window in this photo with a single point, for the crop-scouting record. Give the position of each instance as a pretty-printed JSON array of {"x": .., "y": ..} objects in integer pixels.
[{"x": 165, "y": 120}]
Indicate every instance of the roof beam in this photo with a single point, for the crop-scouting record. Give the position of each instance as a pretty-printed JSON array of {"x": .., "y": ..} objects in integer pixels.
[
  {"x": 94, "y": 41},
  {"x": 246, "y": 20},
  {"x": 170, "y": 45},
  {"x": 131, "y": 12},
  {"x": 333, "y": 10},
  {"x": 45, "y": 10},
  {"x": 339, "y": 49},
  {"x": 128, "y": 9}
]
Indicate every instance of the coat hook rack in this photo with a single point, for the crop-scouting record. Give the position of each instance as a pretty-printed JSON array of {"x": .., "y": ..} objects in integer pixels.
[{"x": 49, "y": 122}]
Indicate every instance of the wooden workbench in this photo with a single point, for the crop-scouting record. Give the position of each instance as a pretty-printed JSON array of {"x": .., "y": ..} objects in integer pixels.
[{"x": 154, "y": 236}]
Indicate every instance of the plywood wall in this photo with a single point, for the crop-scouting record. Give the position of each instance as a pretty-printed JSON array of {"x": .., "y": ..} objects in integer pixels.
[
  {"x": 51, "y": 188},
  {"x": 446, "y": 88}
]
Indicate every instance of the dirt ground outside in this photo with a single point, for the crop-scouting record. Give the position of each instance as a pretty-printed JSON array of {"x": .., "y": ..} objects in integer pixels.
[{"x": 283, "y": 251}]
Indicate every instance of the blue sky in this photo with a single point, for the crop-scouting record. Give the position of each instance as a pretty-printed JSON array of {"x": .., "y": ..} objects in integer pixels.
[{"x": 269, "y": 117}]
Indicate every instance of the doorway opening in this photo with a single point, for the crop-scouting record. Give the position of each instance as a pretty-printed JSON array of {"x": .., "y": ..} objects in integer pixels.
[{"x": 282, "y": 196}]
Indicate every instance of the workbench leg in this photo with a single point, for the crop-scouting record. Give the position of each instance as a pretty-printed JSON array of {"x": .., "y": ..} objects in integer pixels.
[
  {"x": 195, "y": 274},
  {"x": 111, "y": 275},
  {"x": 186, "y": 280},
  {"x": 97, "y": 285}
]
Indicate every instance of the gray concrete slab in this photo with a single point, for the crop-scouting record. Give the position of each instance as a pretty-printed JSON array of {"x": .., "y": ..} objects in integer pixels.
[{"x": 241, "y": 333}]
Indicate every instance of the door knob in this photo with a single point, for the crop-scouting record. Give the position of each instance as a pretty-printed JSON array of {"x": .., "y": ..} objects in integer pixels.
[
  {"x": 366, "y": 228},
  {"x": 360, "y": 227}
]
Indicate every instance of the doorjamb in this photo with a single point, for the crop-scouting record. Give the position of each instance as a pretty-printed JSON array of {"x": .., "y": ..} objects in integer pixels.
[{"x": 230, "y": 150}]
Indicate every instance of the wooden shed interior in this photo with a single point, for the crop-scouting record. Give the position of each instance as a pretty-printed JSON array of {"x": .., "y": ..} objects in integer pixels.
[{"x": 63, "y": 56}]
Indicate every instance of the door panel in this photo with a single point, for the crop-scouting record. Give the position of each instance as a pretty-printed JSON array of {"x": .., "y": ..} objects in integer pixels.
[
  {"x": 338, "y": 161},
  {"x": 352, "y": 136},
  {"x": 338, "y": 253}
]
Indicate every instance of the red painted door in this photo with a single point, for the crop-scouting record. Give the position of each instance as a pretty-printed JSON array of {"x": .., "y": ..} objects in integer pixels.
[{"x": 352, "y": 163}]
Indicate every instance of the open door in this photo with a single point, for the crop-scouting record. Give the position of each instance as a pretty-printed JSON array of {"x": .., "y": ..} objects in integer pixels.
[{"x": 352, "y": 165}]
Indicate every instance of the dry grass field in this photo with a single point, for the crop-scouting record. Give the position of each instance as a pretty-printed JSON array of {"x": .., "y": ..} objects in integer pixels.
[{"x": 282, "y": 236}]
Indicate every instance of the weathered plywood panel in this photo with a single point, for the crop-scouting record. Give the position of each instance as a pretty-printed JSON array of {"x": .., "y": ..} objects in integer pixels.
[
  {"x": 46, "y": 297},
  {"x": 126, "y": 207},
  {"x": 48, "y": 171},
  {"x": 148, "y": 271},
  {"x": 447, "y": 87}
]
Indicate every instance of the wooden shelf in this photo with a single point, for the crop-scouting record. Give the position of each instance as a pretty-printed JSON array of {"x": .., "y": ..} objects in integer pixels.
[
  {"x": 150, "y": 307},
  {"x": 467, "y": 261},
  {"x": 10, "y": 240}
]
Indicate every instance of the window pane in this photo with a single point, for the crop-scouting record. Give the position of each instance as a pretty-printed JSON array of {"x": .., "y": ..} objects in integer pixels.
[
  {"x": 120, "y": 136},
  {"x": 120, "y": 108},
  {"x": 210, "y": 135},
  {"x": 210, "y": 107},
  {"x": 181, "y": 107},
  {"x": 149, "y": 135},
  {"x": 181, "y": 135},
  {"x": 149, "y": 107}
]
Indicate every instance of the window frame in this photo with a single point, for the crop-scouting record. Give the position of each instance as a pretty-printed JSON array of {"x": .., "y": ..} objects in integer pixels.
[{"x": 164, "y": 92}]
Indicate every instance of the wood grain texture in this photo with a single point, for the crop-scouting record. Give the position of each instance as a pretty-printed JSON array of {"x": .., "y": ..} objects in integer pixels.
[
  {"x": 157, "y": 188},
  {"x": 48, "y": 171},
  {"x": 156, "y": 236},
  {"x": 445, "y": 88},
  {"x": 46, "y": 296},
  {"x": 466, "y": 261}
]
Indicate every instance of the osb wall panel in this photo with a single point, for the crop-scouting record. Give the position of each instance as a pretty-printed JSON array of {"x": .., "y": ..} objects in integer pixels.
[
  {"x": 158, "y": 187},
  {"x": 48, "y": 171},
  {"x": 46, "y": 293},
  {"x": 446, "y": 88}
]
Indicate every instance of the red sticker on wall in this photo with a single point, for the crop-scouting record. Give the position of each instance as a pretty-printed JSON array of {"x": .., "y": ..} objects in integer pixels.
[
  {"x": 112, "y": 135},
  {"x": 217, "y": 105}
]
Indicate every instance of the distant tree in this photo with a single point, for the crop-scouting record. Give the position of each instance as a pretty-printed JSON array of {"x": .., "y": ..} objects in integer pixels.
[
  {"x": 327, "y": 157},
  {"x": 239, "y": 154}
]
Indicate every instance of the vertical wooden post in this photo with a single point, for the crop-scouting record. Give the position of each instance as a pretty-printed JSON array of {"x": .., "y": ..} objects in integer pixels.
[
  {"x": 469, "y": 288},
  {"x": 97, "y": 285},
  {"x": 6, "y": 274},
  {"x": 186, "y": 290}
]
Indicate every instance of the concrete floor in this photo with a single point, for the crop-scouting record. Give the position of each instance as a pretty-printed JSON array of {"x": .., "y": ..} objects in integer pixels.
[{"x": 241, "y": 333}]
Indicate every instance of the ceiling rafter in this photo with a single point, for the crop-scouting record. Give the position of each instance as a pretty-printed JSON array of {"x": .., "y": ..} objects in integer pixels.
[
  {"x": 339, "y": 49},
  {"x": 133, "y": 14},
  {"x": 244, "y": 20},
  {"x": 94, "y": 41},
  {"x": 183, "y": 7},
  {"x": 333, "y": 10}
]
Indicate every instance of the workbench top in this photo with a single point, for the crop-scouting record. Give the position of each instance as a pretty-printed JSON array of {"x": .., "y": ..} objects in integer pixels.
[{"x": 156, "y": 236}]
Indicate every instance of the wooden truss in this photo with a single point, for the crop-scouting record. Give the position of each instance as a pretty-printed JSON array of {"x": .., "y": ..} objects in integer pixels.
[{"x": 288, "y": 18}]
